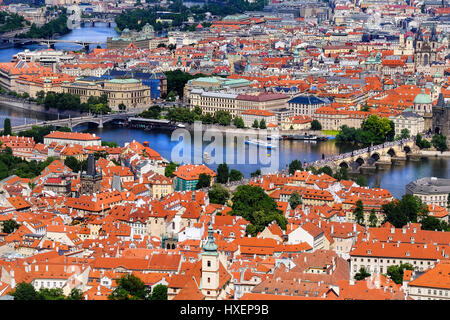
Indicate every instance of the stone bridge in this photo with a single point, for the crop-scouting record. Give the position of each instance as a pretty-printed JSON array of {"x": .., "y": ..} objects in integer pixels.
[
  {"x": 370, "y": 157},
  {"x": 70, "y": 122}
]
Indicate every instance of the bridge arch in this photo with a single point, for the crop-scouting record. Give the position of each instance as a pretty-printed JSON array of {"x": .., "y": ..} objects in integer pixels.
[
  {"x": 86, "y": 122},
  {"x": 375, "y": 156},
  {"x": 344, "y": 164},
  {"x": 391, "y": 152},
  {"x": 407, "y": 149},
  {"x": 360, "y": 161}
]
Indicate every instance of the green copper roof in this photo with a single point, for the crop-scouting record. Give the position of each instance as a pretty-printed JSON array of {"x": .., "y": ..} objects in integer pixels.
[
  {"x": 422, "y": 98},
  {"x": 210, "y": 246},
  {"x": 124, "y": 81}
]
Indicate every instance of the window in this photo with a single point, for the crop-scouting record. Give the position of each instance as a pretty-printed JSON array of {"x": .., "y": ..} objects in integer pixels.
[
  {"x": 208, "y": 263},
  {"x": 209, "y": 280}
]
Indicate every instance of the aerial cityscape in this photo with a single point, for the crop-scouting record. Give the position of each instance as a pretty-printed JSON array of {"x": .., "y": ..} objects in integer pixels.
[{"x": 224, "y": 150}]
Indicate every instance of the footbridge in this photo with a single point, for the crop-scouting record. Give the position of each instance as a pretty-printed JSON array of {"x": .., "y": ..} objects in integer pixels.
[{"x": 370, "y": 157}]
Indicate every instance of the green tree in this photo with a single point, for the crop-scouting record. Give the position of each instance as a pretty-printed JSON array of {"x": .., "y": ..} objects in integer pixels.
[
  {"x": 109, "y": 144},
  {"x": 51, "y": 294},
  {"x": 159, "y": 292},
  {"x": 222, "y": 173},
  {"x": 254, "y": 205},
  {"x": 408, "y": 209},
  {"x": 222, "y": 117},
  {"x": 170, "y": 168},
  {"x": 9, "y": 226},
  {"x": 315, "y": 125},
  {"x": 404, "y": 134},
  {"x": 72, "y": 163},
  {"x": 235, "y": 175},
  {"x": 129, "y": 287},
  {"x": 7, "y": 127},
  {"x": 326, "y": 169},
  {"x": 359, "y": 212},
  {"x": 362, "y": 274},
  {"x": 396, "y": 272},
  {"x": 433, "y": 224},
  {"x": 421, "y": 143},
  {"x": 218, "y": 194},
  {"x": 295, "y": 200},
  {"x": 365, "y": 108},
  {"x": 256, "y": 173},
  {"x": 262, "y": 124},
  {"x": 204, "y": 181},
  {"x": 373, "y": 218},
  {"x": 75, "y": 294},
  {"x": 439, "y": 141},
  {"x": 294, "y": 166},
  {"x": 24, "y": 291},
  {"x": 341, "y": 174},
  {"x": 255, "y": 124},
  {"x": 361, "y": 180},
  {"x": 238, "y": 122}
]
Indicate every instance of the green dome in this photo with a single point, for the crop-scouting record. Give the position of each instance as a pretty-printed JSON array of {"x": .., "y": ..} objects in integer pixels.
[
  {"x": 437, "y": 75},
  {"x": 422, "y": 98}
]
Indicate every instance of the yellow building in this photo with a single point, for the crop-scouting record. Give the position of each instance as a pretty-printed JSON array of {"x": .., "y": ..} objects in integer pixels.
[{"x": 130, "y": 92}]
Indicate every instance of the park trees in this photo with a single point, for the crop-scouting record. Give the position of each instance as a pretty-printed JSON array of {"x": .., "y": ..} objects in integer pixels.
[
  {"x": 439, "y": 141},
  {"x": 235, "y": 175},
  {"x": 218, "y": 194},
  {"x": 408, "y": 209},
  {"x": 254, "y": 205},
  {"x": 222, "y": 173}
]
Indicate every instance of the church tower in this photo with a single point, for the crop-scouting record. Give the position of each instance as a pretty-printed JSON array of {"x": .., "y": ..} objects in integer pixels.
[
  {"x": 210, "y": 268},
  {"x": 91, "y": 180}
]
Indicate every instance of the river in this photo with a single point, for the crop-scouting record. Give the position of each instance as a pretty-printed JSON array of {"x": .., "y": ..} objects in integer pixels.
[
  {"x": 394, "y": 178},
  {"x": 98, "y": 33}
]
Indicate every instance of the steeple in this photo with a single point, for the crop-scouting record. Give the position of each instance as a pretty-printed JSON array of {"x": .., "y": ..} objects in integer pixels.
[{"x": 210, "y": 246}]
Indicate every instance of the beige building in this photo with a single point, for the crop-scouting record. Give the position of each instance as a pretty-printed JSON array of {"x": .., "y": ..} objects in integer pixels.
[
  {"x": 376, "y": 257},
  {"x": 235, "y": 104},
  {"x": 430, "y": 190},
  {"x": 409, "y": 120},
  {"x": 131, "y": 92},
  {"x": 432, "y": 285}
]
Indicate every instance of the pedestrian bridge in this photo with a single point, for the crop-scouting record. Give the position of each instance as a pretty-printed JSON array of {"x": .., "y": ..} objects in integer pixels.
[{"x": 370, "y": 157}]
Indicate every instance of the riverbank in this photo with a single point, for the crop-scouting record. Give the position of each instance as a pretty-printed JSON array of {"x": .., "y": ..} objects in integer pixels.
[
  {"x": 435, "y": 154},
  {"x": 22, "y": 104}
]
